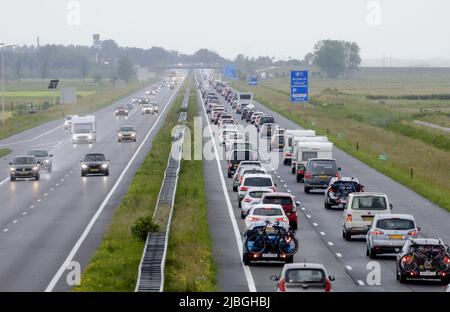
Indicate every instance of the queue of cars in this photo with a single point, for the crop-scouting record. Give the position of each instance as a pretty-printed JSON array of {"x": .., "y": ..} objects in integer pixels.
[{"x": 311, "y": 160}]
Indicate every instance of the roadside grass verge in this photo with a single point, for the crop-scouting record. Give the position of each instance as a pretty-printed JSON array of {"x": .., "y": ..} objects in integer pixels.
[
  {"x": 114, "y": 266},
  {"x": 4, "y": 151},
  {"x": 86, "y": 104},
  {"x": 429, "y": 164},
  {"x": 190, "y": 265}
]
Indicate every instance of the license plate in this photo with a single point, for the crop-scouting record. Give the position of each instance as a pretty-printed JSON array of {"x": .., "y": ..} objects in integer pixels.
[
  {"x": 323, "y": 177},
  {"x": 396, "y": 236},
  {"x": 269, "y": 255},
  {"x": 368, "y": 218},
  {"x": 427, "y": 273},
  {"x": 94, "y": 170}
]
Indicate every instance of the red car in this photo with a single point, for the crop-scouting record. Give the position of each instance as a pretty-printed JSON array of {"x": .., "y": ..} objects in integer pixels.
[{"x": 287, "y": 201}]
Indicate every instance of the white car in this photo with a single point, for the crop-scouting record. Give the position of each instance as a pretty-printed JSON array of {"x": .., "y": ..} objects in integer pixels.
[
  {"x": 260, "y": 214},
  {"x": 232, "y": 138},
  {"x": 251, "y": 198},
  {"x": 68, "y": 121},
  {"x": 243, "y": 164},
  {"x": 254, "y": 180},
  {"x": 360, "y": 211},
  {"x": 147, "y": 109}
]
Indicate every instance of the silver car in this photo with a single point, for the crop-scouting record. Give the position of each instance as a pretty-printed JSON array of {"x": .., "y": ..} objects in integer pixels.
[
  {"x": 252, "y": 197},
  {"x": 389, "y": 232},
  {"x": 43, "y": 157}
]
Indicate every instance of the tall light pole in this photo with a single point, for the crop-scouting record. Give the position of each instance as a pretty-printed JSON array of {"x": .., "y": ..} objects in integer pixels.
[{"x": 2, "y": 45}]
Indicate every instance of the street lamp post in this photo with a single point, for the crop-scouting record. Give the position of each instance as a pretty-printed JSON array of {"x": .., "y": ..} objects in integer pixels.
[{"x": 2, "y": 45}]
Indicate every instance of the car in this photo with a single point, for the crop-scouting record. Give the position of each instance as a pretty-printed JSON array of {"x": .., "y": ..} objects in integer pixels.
[
  {"x": 94, "y": 163},
  {"x": 126, "y": 133},
  {"x": 232, "y": 138},
  {"x": 247, "y": 170},
  {"x": 43, "y": 157},
  {"x": 267, "y": 130},
  {"x": 226, "y": 132},
  {"x": 241, "y": 166},
  {"x": 360, "y": 211},
  {"x": 389, "y": 233},
  {"x": 254, "y": 180},
  {"x": 277, "y": 142},
  {"x": 24, "y": 167},
  {"x": 121, "y": 111},
  {"x": 252, "y": 197},
  {"x": 303, "y": 276},
  {"x": 263, "y": 119},
  {"x": 235, "y": 158},
  {"x": 261, "y": 213},
  {"x": 287, "y": 201},
  {"x": 147, "y": 109},
  {"x": 253, "y": 117},
  {"x": 338, "y": 190},
  {"x": 318, "y": 173},
  {"x": 68, "y": 121},
  {"x": 423, "y": 258}
]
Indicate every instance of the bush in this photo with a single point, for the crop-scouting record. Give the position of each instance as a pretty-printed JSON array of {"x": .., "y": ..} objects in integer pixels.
[{"x": 142, "y": 227}]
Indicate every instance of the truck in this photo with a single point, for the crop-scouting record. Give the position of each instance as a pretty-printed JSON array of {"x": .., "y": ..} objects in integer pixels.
[
  {"x": 308, "y": 150},
  {"x": 295, "y": 148},
  {"x": 84, "y": 129},
  {"x": 288, "y": 138},
  {"x": 244, "y": 98}
]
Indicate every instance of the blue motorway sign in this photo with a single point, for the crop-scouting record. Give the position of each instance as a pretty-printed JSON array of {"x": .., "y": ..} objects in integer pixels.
[
  {"x": 299, "y": 78},
  {"x": 229, "y": 71},
  {"x": 253, "y": 81},
  {"x": 299, "y": 94}
]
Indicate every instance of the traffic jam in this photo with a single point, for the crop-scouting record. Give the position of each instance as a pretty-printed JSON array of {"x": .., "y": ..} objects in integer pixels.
[{"x": 270, "y": 213}]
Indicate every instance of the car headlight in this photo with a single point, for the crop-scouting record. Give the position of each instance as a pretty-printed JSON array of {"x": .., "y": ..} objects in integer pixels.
[
  {"x": 46, "y": 161},
  {"x": 133, "y": 134},
  {"x": 74, "y": 137},
  {"x": 104, "y": 166},
  {"x": 84, "y": 166},
  {"x": 120, "y": 134},
  {"x": 35, "y": 168},
  {"x": 89, "y": 136},
  {"x": 12, "y": 169}
]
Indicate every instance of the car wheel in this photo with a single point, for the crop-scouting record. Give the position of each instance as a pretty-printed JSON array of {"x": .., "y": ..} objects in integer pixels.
[
  {"x": 235, "y": 189},
  {"x": 245, "y": 259},
  {"x": 107, "y": 173},
  {"x": 294, "y": 225},
  {"x": 289, "y": 259},
  {"x": 119, "y": 141},
  {"x": 372, "y": 253},
  {"x": 402, "y": 278},
  {"x": 307, "y": 190},
  {"x": 445, "y": 280},
  {"x": 239, "y": 203},
  {"x": 229, "y": 174},
  {"x": 347, "y": 236},
  {"x": 299, "y": 179},
  {"x": 83, "y": 174},
  {"x": 242, "y": 215},
  {"x": 12, "y": 179},
  {"x": 327, "y": 205},
  {"x": 37, "y": 177},
  {"x": 293, "y": 170}
]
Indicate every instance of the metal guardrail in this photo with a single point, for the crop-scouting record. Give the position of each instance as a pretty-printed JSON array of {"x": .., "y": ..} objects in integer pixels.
[{"x": 151, "y": 268}]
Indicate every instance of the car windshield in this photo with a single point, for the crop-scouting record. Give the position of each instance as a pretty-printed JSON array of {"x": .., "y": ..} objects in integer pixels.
[
  {"x": 126, "y": 129},
  {"x": 253, "y": 171},
  {"x": 278, "y": 200},
  {"x": 24, "y": 161},
  {"x": 369, "y": 202},
  {"x": 257, "y": 194},
  {"x": 83, "y": 131},
  {"x": 267, "y": 119},
  {"x": 395, "y": 224},
  {"x": 258, "y": 181},
  {"x": 325, "y": 167},
  {"x": 267, "y": 212},
  {"x": 305, "y": 276},
  {"x": 94, "y": 157},
  {"x": 242, "y": 155},
  {"x": 36, "y": 153}
]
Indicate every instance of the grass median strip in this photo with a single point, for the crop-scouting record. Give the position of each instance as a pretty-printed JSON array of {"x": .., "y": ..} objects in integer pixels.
[
  {"x": 4, "y": 151},
  {"x": 190, "y": 264},
  {"x": 114, "y": 266}
]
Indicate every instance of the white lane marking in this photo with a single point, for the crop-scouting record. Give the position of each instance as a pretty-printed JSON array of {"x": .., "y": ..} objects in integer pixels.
[
  {"x": 330, "y": 243},
  {"x": 32, "y": 206},
  {"x": 62, "y": 180},
  {"x": 24, "y": 213},
  {"x": 349, "y": 267},
  {"x": 52, "y": 189},
  {"x": 303, "y": 208},
  {"x": 339, "y": 255},
  {"x": 308, "y": 216},
  {"x": 33, "y": 139},
  {"x": 285, "y": 186},
  {"x": 46, "y": 194},
  {"x": 246, "y": 269},
  {"x": 289, "y": 191},
  {"x": 6, "y": 179},
  {"x": 39, "y": 200},
  {"x": 5, "y": 230},
  {"x": 282, "y": 181},
  {"x": 361, "y": 283},
  {"x": 91, "y": 223},
  {"x": 15, "y": 221},
  {"x": 55, "y": 146},
  {"x": 315, "y": 224},
  {"x": 275, "y": 172},
  {"x": 57, "y": 184},
  {"x": 322, "y": 233}
]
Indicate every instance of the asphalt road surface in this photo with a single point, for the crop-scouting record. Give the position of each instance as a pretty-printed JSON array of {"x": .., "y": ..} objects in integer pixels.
[
  {"x": 47, "y": 224},
  {"x": 320, "y": 230}
]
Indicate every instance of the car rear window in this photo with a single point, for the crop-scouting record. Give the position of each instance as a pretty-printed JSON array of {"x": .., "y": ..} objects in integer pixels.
[
  {"x": 245, "y": 96},
  {"x": 256, "y": 194},
  {"x": 278, "y": 200},
  {"x": 258, "y": 181},
  {"x": 242, "y": 155},
  {"x": 395, "y": 224},
  {"x": 305, "y": 276},
  {"x": 369, "y": 203},
  {"x": 253, "y": 171},
  {"x": 267, "y": 120},
  {"x": 327, "y": 167},
  {"x": 267, "y": 212}
]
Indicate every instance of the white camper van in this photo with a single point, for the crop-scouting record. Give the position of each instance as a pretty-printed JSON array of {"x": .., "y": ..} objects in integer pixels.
[
  {"x": 84, "y": 129},
  {"x": 244, "y": 98},
  {"x": 307, "y": 150},
  {"x": 288, "y": 140},
  {"x": 295, "y": 148}
]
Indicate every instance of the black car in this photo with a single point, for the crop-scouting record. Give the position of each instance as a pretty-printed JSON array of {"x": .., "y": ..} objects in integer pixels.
[
  {"x": 94, "y": 163},
  {"x": 424, "y": 258},
  {"x": 318, "y": 173},
  {"x": 246, "y": 112},
  {"x": 24, "y": 167}
]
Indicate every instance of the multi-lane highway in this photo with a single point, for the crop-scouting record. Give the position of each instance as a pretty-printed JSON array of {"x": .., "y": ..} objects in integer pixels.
[
  {"x": 47, "y": 224},
  {"x": 320, "y": 230}
]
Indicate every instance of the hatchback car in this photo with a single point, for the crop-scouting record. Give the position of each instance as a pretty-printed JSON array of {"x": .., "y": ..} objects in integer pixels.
[
  {"x": 252, "y": 197},
  {"x": 255, "y": 180},
  {"x": 301, "y": 277},
  {"x": 43, "y": 157},
  {"x": 242, "y": 165},
  {"x": 24, "y": 167},
  {"x": 260, "y": 214},
  {"x": 287, "y": 201}
]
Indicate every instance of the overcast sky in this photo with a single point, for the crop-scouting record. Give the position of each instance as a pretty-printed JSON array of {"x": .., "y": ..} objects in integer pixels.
[{"x": 413, "y": 29}]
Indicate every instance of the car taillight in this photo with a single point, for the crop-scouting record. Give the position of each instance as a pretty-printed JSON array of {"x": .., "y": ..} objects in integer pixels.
[
  {"x": 447, "y": 260},
  {"x": 253, "y": 219},
  {"x": 282, "y": 285},
  {"x": 240, "y": 180},
  {"x": 244, "y": 188},
  {"x": 412, "y": 233},
  {"x": 377, "y": 232},
  {"x": 288, "y": 154},
  {"x": 406, "y": 259},
  {"x": 327, "y": 285},
  {"x": 247, "y": 200},
  {"x": 282, "y": 219},
  {"x": 337, "y": 174},
  {"x": 273, "y": 188},
  {"x": 349, "y": 218},
  {"x": 300, "y": 171},
  {"x": 308, "y": 176},
  {"x": 230, "y": 165}
]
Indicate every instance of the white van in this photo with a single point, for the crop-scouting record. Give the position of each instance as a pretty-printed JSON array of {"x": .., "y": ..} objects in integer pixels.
[
  {"x": 360, "y": 210},
  {"x": 295, "y": 149},
  {"x": 84, "y": 129},
  {"x": 288, "y": 140}
]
